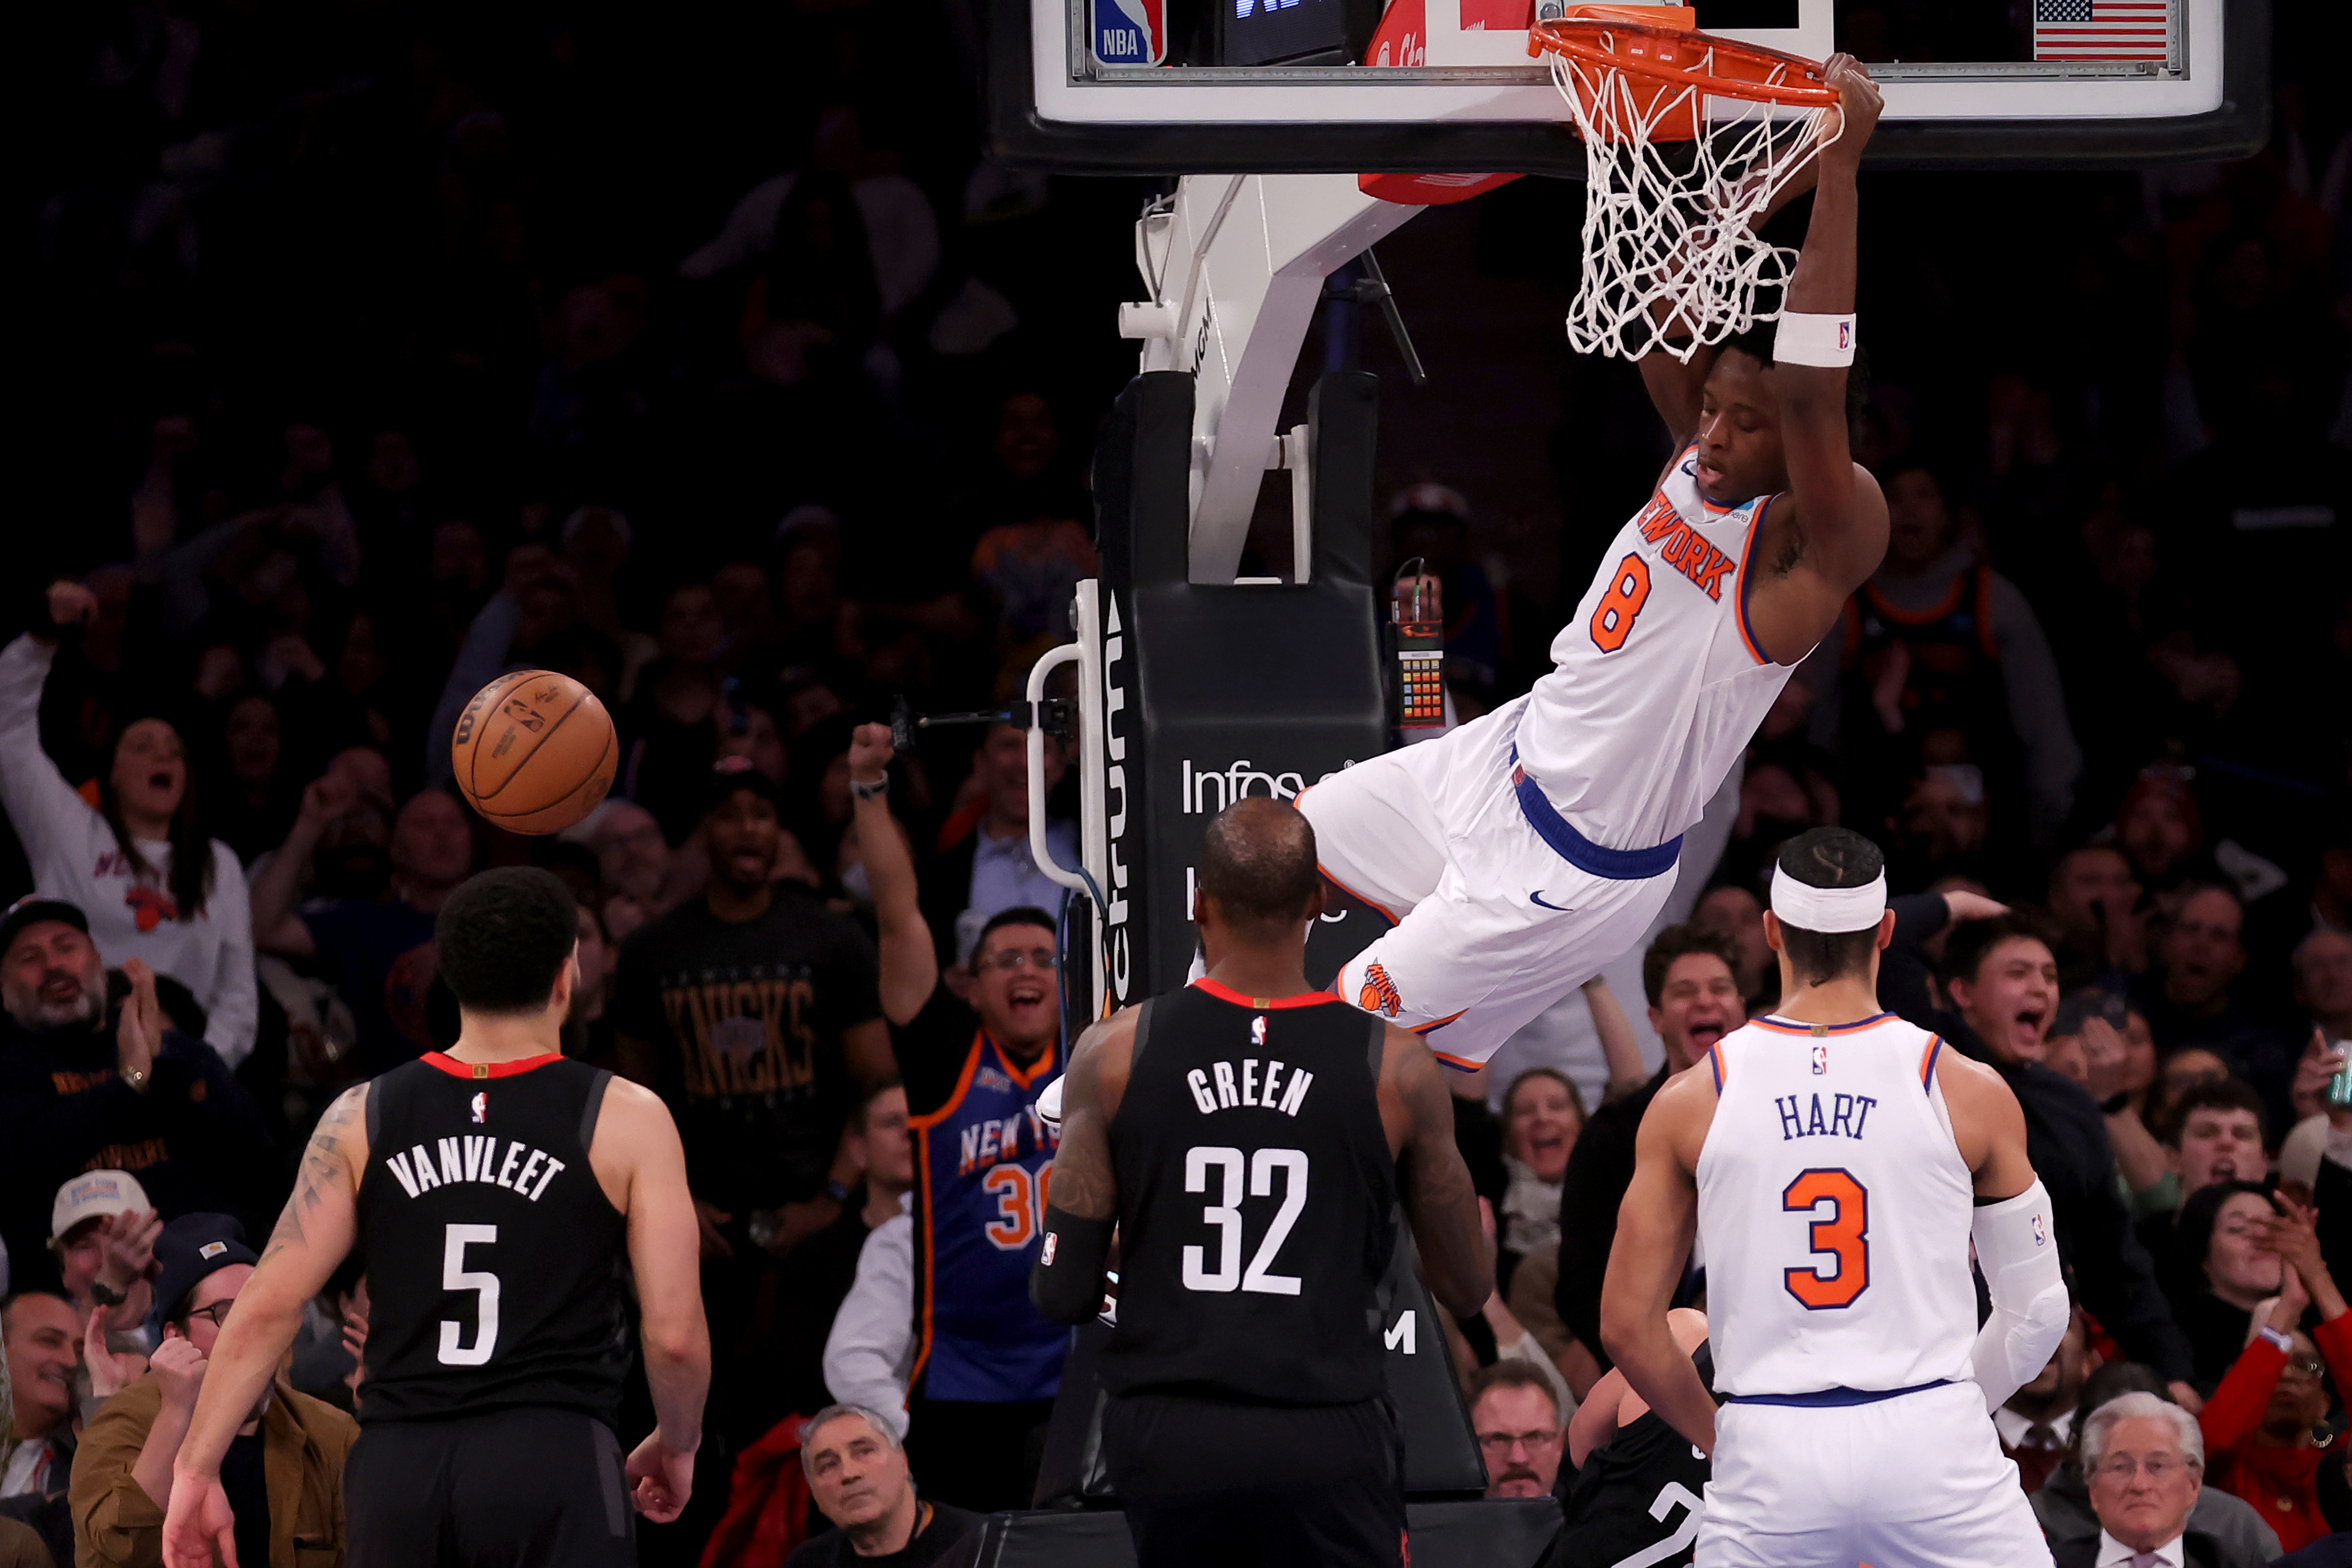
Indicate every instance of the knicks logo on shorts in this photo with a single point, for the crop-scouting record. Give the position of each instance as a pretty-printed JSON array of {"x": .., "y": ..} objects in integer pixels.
[{"x": 1380, "y": 993}]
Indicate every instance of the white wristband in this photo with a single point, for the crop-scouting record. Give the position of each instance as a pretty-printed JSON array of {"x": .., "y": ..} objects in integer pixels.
[{"x": 1813, "y": 340}]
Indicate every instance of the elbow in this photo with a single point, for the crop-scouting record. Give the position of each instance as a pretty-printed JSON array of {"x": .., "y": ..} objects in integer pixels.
[
  {"x": 679, "y": 1344},
  {"x": 1465, "y": 1292}
]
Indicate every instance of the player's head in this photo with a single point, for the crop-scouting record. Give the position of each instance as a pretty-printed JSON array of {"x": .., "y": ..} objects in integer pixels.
[
  {"x": 1829, "y": 916},
  {"x": 1016, "y": 980},
  {"x": 1258, "y": 886},
  {"x": 1739, "y": 451},
  {"x": 2003, "y": 976},
  {"x": 1690, "y": 975},
  {"x": 505, "y": 942}
]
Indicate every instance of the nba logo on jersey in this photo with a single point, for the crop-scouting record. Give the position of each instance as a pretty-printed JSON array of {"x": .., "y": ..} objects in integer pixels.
[
  {"x": 480, "y": 1106},
  {"x": 1821, "y": 1061},
  {"x": 1258, "y": 1030},
  {"x": 1130, "y": 32},
  {"x": 2040, "y": 1238}
]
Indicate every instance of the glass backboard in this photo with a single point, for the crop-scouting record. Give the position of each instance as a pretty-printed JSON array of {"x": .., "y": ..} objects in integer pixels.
[{"x": 1357, "y": 85}]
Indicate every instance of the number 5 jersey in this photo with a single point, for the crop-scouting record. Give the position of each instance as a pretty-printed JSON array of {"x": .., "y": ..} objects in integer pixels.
[
  {"x": 495, "y": 1262},
  {"x": 1256, "y": 1201},
  {"x": 1833, "y": 1212}
]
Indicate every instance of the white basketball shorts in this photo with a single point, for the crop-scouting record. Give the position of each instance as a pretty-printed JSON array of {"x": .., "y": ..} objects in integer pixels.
[
  {"x": 1916, "y": 1482},
  {"x": 1490, "y": 923}
]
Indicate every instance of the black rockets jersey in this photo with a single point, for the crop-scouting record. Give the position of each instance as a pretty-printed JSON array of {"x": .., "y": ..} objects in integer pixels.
[
  {"x": 1256, "y": 1201},
  {"x": 496, "y": 1265}
]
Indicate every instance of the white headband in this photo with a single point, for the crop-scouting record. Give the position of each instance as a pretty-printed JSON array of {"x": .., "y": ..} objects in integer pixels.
[{"x": 1828, "y": 910}]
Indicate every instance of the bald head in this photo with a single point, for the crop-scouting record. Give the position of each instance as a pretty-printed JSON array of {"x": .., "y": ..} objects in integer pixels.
[{"x": 1257, "y": 865}]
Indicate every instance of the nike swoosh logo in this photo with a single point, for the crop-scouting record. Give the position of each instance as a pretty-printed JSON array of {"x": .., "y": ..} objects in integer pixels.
[{"x": 1537, "y": 900}]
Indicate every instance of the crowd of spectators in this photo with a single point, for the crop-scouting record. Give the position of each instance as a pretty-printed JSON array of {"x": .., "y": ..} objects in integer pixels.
[{"x": 385, "y": 349}]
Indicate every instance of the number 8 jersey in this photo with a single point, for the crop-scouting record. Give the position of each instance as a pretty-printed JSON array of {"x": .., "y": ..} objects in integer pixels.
[
  {"x": 495, "y": 1262},
  {"x": 1256, "y": 1201},
  {"x": 1833, "y": 1212}
]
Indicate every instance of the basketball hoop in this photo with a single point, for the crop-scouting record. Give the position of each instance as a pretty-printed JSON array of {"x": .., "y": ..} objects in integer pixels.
[{"x": 1687, "y": 139}]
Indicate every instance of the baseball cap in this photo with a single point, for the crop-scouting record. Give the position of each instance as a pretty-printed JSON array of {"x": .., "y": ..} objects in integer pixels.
[
  {"x": 94, "y": 1195},
  {"x": 32, "y": 910},
  {"x": 728, "y": 774},
  {"x": 191, "y": 1247}
]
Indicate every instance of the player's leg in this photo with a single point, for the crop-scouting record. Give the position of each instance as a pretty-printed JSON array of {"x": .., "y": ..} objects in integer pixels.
[
  {"x": 396, "y": 1496},
  {"x": 1384, "y": 829},
  {"x": 1945, "y": 1495},
  {"x": 537, "y": 1487},
  {"x": 1209, "y": 1482},
  {"x": 1782, "y": 1490},
  {"x": 1510, "y": 929}
]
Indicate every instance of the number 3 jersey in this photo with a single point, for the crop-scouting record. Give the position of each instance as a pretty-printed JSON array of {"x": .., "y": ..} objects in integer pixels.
[
  {"x": 496, "y": 1265},
  {"x": 981, "y": 1163},
  {"x": 1833, "y": 1212},
  {"x": 1256, "y": 1201}
]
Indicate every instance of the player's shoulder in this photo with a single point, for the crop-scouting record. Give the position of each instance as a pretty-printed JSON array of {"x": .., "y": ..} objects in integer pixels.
[
  {"x": 629, "y": 1114},
  {"x": 1974, "y": 1088}
]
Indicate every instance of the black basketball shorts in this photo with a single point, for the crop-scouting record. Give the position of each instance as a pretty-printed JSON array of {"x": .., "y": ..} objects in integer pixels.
[
  {"x": 1277, "y": 1487},
  {"x": 533, "y": 1487}
]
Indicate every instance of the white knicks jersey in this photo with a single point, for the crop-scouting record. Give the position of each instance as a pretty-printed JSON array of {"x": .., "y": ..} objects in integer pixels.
[
  {"x": 1657, "y": 683},
  {"x": 1833, "y": 1212}
]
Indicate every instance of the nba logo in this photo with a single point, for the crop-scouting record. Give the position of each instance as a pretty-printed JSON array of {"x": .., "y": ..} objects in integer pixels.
[
  {"x": 1258, "y": 1030},
  {"x": 1130, "y": 32},
  {"x": 2040, "y": 1239},
  {"x": 481, "y": 1107},
  {"x": 1845, "y": 335},
  {"x": 1821, "y": 1061}
]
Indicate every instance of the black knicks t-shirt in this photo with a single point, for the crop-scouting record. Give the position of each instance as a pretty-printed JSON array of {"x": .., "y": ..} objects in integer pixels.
[{"x": 746, "y": 1020}]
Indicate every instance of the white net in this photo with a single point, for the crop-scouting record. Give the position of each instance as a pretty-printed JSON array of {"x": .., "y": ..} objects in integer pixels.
[{"x": 1670, "y": 257}]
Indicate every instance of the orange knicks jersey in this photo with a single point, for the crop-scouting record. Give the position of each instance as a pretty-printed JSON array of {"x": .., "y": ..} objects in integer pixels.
[
  {"x": 1833, "y": 1212},
  {"x": 1657, "y": 682}
]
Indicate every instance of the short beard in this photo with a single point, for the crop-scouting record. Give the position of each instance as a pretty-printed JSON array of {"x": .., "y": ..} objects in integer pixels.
[{"x": 41, "y": 1017}]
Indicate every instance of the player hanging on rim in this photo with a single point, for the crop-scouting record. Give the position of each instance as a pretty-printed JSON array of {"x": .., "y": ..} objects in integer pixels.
[
  {"x": 1835, "y": 1164},
  {"x": 1526, "y": 849},
  {"x": 503, "y": 1196}
]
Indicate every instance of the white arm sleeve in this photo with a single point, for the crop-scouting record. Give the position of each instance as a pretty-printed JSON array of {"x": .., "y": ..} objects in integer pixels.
[
  {"x": 2017, "y": 1248},
  {"x": 869, "y": 1352}
]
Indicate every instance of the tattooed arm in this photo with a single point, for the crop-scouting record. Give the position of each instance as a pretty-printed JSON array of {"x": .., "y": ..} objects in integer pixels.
[
  {"x": 1439, "y": 1199},
  {"x": 313, "y": 1235}
]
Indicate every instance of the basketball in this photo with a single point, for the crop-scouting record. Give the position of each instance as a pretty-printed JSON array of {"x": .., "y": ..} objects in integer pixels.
[{"x": 534, "y": 752}]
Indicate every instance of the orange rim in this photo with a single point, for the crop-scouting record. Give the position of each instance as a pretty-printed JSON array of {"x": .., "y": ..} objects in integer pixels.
[{"x": 1674, "y": 56}]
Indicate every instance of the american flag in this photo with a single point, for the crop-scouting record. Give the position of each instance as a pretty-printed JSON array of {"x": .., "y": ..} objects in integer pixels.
[{"x": 2101, "y": 30}]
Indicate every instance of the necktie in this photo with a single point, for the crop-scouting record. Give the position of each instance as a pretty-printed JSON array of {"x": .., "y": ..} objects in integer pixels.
[
  {"x": 2040, "y": 1436},
  {"x": 2146, "y": 1560}
]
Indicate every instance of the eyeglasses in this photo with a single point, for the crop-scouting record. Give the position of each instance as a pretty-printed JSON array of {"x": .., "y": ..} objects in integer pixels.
[
  {"x": 216, "y": 1314},
  {"x": 1504, "y": 1442},
  {"x": 2313, "y": 1370},
  {"x": 1036, "y": 957},
  {"x": 2157, "y": 1468}
]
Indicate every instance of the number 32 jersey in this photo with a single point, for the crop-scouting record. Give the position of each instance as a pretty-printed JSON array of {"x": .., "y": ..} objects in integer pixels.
[
  {"x": 495, "y": 1262},
  {"x": 1256, "y": 1201},
  {"x": 1833, "y": 1212}
]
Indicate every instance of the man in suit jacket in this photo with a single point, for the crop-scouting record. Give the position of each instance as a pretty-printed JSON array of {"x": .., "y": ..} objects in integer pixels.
[{"x": 2145, "y": 1460}]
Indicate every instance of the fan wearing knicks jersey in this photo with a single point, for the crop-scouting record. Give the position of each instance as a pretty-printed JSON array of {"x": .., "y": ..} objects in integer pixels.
[
  {"x": 504, "y": 1196},
  {"x": 1835, "y": 1164},
  {"x": 1518, "y": 854}
]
